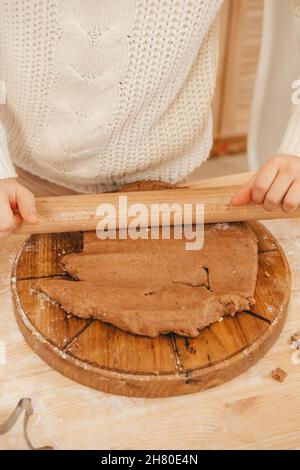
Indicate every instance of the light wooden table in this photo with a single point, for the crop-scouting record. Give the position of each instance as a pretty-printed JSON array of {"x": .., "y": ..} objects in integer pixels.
[{"x": 251, "y": 412}]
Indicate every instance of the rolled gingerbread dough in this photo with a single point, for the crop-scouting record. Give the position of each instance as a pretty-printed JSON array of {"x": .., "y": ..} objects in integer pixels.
[{"x": 152, "y": 287}]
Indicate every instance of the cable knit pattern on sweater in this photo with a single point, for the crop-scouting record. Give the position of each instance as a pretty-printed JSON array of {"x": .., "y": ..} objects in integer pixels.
[{"x": 104, "y": 92}]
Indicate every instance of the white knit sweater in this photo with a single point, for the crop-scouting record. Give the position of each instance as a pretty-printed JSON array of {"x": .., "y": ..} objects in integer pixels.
[{"x": 104, "y": 92}]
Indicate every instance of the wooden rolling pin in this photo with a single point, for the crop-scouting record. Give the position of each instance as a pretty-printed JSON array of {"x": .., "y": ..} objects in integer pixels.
[{"x": 78, "y": 212}]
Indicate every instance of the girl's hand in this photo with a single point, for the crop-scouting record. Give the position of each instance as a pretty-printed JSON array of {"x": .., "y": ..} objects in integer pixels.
[
  {"x": 276, "y": 184},
  {"x": 16, "y": 204}
]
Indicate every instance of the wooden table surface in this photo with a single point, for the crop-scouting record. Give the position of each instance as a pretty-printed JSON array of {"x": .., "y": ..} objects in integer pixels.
[{"x": 251, "y": 412}]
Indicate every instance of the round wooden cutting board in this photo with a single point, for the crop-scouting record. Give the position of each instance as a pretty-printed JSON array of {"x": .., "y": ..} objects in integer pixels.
[{"x": 106, "y": 358}]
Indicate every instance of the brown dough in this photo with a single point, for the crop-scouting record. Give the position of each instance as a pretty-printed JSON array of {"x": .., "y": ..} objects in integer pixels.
[
  {"x": 150, "y": 287},
  {"x": 130, "y": 268},
  {"x": 180, "y": 309}
]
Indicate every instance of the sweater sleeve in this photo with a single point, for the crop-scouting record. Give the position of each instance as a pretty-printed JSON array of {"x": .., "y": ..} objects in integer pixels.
[
  {"x": 6, "y": 167},
  {"x": 290, "y": 144}
]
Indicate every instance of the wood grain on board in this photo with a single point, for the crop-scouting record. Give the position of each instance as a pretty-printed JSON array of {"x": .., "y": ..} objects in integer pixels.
[{"x": 101, "y": 356}]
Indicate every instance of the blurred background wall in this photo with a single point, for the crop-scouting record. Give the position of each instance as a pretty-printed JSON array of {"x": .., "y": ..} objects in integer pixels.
[{"x": 240, "y": 38}]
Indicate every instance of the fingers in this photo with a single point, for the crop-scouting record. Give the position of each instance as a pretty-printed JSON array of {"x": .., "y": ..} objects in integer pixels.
[
  {"x": 7, "y": 220},
  {"x": 292, "y": 199},
  {"x": 26, "y": 205},
  {"x": 272, "y": 184},
  {"x": 278, "y": 190},
  {"x": 259, "y": 184},
  {"x": 16, "y": 204},
  {"x": 244, "y": 196},
  {"x": 5, "y": 233},
  {"x": 264, "y": 180}
]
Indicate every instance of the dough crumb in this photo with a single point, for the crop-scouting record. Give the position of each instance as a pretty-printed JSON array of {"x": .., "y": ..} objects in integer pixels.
[
  {"x": 279, "y": 374},
  {"x": 267, "y": 275}
]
